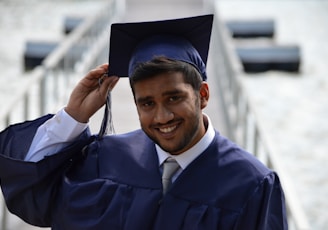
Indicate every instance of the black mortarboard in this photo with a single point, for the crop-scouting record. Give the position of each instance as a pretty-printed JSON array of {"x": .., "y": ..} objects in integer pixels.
[{"x": 185, "y": 39}]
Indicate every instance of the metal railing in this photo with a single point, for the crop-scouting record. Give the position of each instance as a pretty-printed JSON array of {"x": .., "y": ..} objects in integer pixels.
[
  {"x": 244, "y": 125},
  {"x": 47, "y": 85}
]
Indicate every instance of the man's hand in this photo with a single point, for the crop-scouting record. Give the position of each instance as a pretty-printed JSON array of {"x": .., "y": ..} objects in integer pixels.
[{"x": 89, "y": 96}]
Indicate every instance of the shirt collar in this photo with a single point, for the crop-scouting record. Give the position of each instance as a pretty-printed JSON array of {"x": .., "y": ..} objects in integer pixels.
[{"x": 185, "y": 158}]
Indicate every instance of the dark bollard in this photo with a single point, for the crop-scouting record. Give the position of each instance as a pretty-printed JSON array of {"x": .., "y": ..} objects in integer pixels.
[
  {"x": 251, "y": 28},
  {"x": 71, "y": 22},
  {"x": 260, "y": 59},
  {"x": 36, "y": 51}
]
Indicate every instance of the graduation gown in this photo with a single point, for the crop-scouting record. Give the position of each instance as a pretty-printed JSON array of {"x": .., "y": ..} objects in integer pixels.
[{"x": 115, "y": 183}]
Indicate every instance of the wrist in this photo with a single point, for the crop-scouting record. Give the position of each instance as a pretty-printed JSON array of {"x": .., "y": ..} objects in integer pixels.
[{"x": 76, "y": 115}]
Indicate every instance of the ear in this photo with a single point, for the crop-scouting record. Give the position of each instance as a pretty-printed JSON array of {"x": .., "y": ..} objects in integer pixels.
[{"x": 204, "y": 94}]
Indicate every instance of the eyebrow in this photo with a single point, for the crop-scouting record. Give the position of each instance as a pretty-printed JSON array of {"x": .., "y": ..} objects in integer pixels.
[
  {"x": 172, "y": 92},
  {"x": 167, "y": 93},
  {"x": 143, "y": 99}
]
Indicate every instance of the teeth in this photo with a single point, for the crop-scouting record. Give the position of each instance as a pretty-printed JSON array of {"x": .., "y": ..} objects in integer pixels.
[{"x": 167, "y": 130}]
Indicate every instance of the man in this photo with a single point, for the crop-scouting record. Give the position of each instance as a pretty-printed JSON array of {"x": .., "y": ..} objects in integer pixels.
[{"x": 61, "y": 177}]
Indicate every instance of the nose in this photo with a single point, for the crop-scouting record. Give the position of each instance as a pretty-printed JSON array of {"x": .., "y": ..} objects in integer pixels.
[{"x": 163, "y": 115}]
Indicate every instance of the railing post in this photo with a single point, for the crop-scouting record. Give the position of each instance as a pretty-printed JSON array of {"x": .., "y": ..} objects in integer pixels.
[
  {"x": 43, "y": 100},
  {"x": 26, "y": 106},
  {"x": 4, "y": 217},
  {"x": 255, "y": 141},
  {"x": 245, "y": 125}
]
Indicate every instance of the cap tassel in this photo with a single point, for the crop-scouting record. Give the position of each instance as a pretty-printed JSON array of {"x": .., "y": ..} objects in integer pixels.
[{"x": 107, "y": 126}]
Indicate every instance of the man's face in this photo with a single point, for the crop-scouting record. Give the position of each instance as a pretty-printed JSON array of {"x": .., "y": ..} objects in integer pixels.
[{"x": 170, "y": 112}]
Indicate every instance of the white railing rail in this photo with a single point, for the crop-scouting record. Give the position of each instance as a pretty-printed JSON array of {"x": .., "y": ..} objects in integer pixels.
[
  {"x": 245, "y": 127},
  {"x": 46, "y": 87}
]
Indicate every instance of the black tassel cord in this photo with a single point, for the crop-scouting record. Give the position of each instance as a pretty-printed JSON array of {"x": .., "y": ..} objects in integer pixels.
[{"x": 107, "y": 126}]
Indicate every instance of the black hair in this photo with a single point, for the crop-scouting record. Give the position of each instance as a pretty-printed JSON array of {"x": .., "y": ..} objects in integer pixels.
[{"x": 159, "y": 65}]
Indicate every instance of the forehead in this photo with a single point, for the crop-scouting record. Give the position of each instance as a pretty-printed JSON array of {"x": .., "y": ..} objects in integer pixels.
[{"x": 161, "y": 84}]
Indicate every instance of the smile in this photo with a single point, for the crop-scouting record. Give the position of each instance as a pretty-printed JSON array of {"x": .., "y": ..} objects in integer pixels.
[{"x": 168, "y": 129}]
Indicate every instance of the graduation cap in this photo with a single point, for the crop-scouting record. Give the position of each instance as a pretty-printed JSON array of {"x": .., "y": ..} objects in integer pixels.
[{"x": 185, "y": 39}]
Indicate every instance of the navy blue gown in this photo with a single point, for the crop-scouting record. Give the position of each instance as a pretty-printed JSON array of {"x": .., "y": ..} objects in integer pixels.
[{"x": 115, "y": 183}]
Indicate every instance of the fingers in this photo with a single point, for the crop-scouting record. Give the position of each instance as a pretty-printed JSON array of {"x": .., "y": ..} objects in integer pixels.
[
  {"x": 90, "y": 94},
  {"x": 105, "y": 84},
  {"x": 104, "y": 81},
  {"x": 95, "y": 77},
  {"x": 97, "y": 72}
]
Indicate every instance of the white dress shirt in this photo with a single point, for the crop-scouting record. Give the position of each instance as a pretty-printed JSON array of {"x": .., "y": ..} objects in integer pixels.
[
  {"x": 56, "y": 133},
  {"x": 185, "y": 158}
]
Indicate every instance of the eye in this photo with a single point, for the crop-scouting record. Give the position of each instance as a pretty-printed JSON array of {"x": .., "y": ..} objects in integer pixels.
[
  {"x": 147, "y": 104},
  {"x": 174, "y": 98}
]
